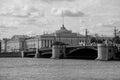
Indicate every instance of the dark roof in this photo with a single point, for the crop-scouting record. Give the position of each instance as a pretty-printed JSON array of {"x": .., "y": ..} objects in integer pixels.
[
  {"x": 58, "y": 43},
  {"x": 19, "y": 36}
]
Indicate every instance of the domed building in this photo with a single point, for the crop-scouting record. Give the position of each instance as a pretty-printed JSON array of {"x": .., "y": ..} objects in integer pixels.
[
  {"x": 18, "y": 42},
  {"x": 64, "y": 32},
  {"x": 62, "y": 35}
]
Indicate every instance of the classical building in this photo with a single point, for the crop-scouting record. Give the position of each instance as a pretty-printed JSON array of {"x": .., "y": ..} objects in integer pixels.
[
  {"x": 22, "y": 42},
  {"x": 62, "y": 35},
  {"x": 15, "y": 44}
]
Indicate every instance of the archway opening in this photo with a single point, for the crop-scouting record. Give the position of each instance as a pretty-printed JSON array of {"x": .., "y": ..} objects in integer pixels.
[
  {"x": 29, "y": 54},
  {"x": 84, "y": 53},
  {"x": 46, "y": 55}
]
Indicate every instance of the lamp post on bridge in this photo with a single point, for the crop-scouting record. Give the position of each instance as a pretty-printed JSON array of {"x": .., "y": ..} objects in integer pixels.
[
  {"x": 37, "y": 49},
  {"x": 86, "y": 37},
  {"x": 115, "y": 32}
]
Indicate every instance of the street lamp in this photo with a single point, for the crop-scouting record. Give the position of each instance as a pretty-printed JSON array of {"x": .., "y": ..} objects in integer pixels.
[{"x": 86, "y": 36}]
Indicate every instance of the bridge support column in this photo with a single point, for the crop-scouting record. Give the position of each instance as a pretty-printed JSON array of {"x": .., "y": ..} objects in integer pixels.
[
  {"x": 22, "y": 54},
  {"x": 115, "y": 56},
  {"x": 37, "y": 54},
  {"x": 64, "y": 51},
  {"x": 58, "y": 50},
  {"x": 105, "y": 52}
]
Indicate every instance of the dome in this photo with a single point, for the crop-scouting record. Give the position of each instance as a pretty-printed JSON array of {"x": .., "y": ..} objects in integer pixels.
[{"x": 63, "y": 30}]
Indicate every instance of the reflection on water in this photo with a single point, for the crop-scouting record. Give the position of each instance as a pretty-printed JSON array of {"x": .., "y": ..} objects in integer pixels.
[{"x": 58, "y": 69}]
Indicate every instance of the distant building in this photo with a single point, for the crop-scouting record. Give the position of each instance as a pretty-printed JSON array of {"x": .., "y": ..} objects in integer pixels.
[
  {"x": 13, "y": 44},
  {"x": 118, "y": 33},
  {"x": 61, "y": 35},
  {"x": 23, "y": 42}
]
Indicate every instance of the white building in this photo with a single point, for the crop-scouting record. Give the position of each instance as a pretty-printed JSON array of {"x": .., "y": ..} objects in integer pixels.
[
  {"x": 61, "y": 35},
  {"x": 42, "y": 41}
]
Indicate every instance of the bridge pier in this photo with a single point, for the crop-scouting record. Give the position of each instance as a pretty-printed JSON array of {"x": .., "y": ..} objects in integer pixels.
[
  {"x": 37, "y": 54},
  {"x": 105, "y": 52},
  {"x": 58, "y": 50},
  {"x": 22, "y": 54}
]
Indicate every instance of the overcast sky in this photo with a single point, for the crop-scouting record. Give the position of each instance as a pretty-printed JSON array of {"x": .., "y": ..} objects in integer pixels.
[{"x": 37, "y": 16}]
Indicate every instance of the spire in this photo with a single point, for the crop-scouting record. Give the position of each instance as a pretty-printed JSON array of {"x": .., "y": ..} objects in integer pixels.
[
  {"x": 63, "y": 27},
  {"x": 62, "y": 18}
]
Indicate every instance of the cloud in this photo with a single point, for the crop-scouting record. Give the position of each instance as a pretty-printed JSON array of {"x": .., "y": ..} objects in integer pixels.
[
  {"x": 9, "y": 25},
  {"x": 110, "y": 24},
  {"x": 6, "y": 27},
  {"x": 35, "y": 22},
  {"x": 113, "y": 3},
  {"x": 22, "y": 11},
  {"x": 105, "y": 25},
  {"x": 67, "y": 12},
  {"x": 30, "y": 33},
  {"x": 57, "y": 0}
]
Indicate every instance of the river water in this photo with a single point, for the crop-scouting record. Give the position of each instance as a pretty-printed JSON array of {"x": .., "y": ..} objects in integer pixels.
[{"x": 58, "y": 69}]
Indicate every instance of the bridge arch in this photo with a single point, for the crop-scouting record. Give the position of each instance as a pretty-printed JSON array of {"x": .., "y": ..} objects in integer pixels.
[
  {"x": 83, "y": 53},
  {"x": 46, "y": 55}
]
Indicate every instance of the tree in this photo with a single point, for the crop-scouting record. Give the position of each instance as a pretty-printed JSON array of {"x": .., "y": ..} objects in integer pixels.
[
  {"x": 100, "y": 41},
  {"x": 93, "y": 40},
  {"x": 116, "y": 40}
]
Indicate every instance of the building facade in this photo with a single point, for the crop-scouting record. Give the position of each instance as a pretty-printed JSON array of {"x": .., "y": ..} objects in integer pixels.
[
  {"x": 118, "y": 34},
  {"x": 23, "y": 42},
  {"x": 15, "y": 44}
]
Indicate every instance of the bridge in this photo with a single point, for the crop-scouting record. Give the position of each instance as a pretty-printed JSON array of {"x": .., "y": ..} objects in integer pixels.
[
  {"x": 77, "y": 52},
  {"x": 43, "y": 52},
  {"x": 81, "y": 52}
]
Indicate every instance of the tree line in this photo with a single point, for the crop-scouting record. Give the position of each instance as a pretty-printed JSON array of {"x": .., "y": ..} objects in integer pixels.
[{"x": 115, "y": 40}]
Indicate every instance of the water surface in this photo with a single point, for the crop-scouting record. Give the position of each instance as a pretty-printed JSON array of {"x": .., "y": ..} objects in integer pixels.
[{"x": 58, "y": 69}]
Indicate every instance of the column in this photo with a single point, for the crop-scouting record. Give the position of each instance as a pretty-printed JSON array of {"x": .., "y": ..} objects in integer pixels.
[
  {"x": 40, "y": 44},
  {"x": 47, "y": 43},
  {"x": 52, "y": 42},
  {"x": 58, "y": 51},
  {"x": 55, "y": 52},
  {"x": 22, "y": 54},
  {"x": 43, "y": 43},
  {"x": 37, "y": 53},
  {"x": 102, "y": 52},
  {"x": 64, "y": 51}
]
